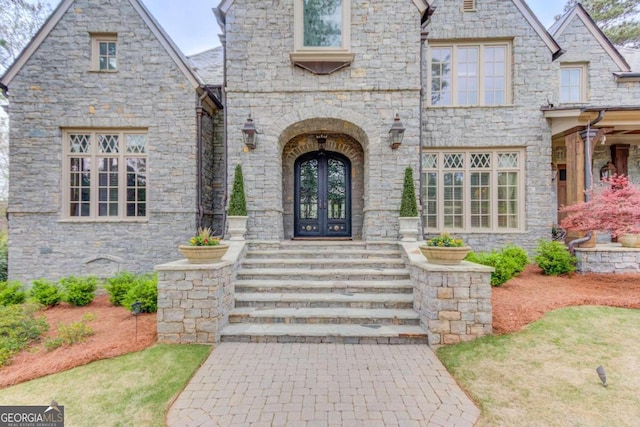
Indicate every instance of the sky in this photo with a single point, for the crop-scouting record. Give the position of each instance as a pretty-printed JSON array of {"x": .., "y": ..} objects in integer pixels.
[{"x": 193, "y": 27}]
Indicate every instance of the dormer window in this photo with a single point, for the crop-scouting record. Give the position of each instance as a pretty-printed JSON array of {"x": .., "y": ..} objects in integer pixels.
[
  {"x": 104, "y": 52},
  {"x": 322, "y": 35}
]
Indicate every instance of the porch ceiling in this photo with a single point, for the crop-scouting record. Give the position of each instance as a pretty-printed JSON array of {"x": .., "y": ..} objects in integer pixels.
[{"x": 623, "y": 122}]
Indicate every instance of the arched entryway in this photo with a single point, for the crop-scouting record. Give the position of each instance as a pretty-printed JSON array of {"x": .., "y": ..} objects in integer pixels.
[
  {"x": 322, "y": 195},
  {"x": 343, "y": 161}
]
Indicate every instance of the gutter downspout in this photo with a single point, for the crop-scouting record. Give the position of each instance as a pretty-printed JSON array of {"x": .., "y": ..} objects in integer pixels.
[
  {"x": 588, "y": 175},
  {"x": 199, "y": 179},
  {"x": 423, "y": 38},
  {"x": 572, "y": 244},
  {"x": 225, "y": 150}
]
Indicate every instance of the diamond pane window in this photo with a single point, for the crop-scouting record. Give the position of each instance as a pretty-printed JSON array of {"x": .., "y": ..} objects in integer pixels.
[
  {"x": 108, "y": 143},
  {"x": 429, "y": 161},
  {"x": 136, "y": 143},
  {"x": 480, "y": 161},
  {"x": 454, "y": 161},
  {"x": 79, "y": 143},
  {"x": 507, "y": 160}
]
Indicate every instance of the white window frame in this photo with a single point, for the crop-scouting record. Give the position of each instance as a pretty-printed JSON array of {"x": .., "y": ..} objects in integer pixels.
[
  {"x": 493, "y": 169},
  {"x": 94, "y": 154},
  {"x": 582, "y": 83},
  {"x": 455, "y": 47},
  {"x": 321, "y": 53},
  {"x": 96, "y": 39}
]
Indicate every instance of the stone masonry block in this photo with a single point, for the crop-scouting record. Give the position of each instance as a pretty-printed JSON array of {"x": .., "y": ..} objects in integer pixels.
[
  {"x": 449, "y": 315},
  {"x": 172, "y": 315},
  {"x": 440, "y": 326},
  {"x": 445, "y": 293},
  {"x": 170, "y": 328},
  {"x": 451, "y": 339}
]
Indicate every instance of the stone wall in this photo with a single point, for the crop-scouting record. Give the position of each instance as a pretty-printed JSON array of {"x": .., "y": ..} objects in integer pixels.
[
  {"x": 608, "y": 258},
  {"x": 55, "y": 91},
  {"x": 454, "y": 302},
  {"x": 194, "y": 300}
]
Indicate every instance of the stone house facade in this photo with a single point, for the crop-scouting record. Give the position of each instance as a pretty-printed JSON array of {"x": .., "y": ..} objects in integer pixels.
[{"x": 488, "y": 99}]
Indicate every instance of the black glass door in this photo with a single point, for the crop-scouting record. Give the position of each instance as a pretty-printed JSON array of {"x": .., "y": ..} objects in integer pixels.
[{"x": 322, "y": 195}]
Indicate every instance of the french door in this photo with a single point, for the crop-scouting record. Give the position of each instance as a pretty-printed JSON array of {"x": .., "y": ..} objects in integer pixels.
[{"x": 322, "y": 195}]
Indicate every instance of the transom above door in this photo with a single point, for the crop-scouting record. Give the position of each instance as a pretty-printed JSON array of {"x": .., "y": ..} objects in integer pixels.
[{"x": 322, "y": 205}]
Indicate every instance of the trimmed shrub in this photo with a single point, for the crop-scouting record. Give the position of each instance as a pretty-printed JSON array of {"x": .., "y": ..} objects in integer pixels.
[
  {"x": 118, "y": 286},
  {"x": 12, "y": 293},
  {"x": 507, "y": 263},
  {"x": 237, "y": 201},
  {"x": 145, "y": 291},
  {"x": 518, "y": 255},
  {"x": 45, "y": 292},
  {"x": 79, "y": 291},
  {"x": 18, "y": 328},
  {"x": 554, "y": 258},
  {"x": 71, "y": 333},
  {"x": 408, "y": 205}
]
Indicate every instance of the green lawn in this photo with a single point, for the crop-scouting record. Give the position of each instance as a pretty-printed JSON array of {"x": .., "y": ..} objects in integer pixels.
[
  {"x": 546, "y": 374},
  {"x": 134, "y": 389}
]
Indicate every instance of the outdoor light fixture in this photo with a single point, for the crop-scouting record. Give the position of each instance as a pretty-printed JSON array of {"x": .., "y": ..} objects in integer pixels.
[
  {"x": 396, "y": 133},
  {"x": 322, "y": 142},
  {"x": 602, "y": 375},
  {"x": 249, "y": 133}
]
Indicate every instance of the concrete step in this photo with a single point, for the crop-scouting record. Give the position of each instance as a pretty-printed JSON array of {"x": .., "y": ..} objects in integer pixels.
[
  {"x": 326, "y": 245},
  {"x": 334, "y": 300},
  {"x": 330, "y": 253},
  {"x": 324, "y": 286},
  {"x": 323, "y": 263},
  {"x": 324, "y": 333},
  {"x": 324, "y": 315},
  {"x": 323, "y": 274}
]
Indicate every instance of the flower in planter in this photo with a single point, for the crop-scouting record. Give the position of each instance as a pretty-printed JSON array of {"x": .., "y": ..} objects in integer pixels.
[
  {"x": 445, "y": 240},
  {"x": 204, "y": 238}
]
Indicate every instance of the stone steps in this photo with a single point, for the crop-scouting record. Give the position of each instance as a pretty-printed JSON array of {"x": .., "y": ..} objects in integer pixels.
[
  {"x": 324, "y": 286},
  {"x": 325, "y": 300},
  {"x": 324, "y": 263},
  {"x": 311, "y": 291},
  {"x": 343, "y": 274}
]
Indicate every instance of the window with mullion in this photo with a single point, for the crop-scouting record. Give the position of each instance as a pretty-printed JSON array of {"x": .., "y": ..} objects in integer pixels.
[
  {"x": 470, "y": 75},
  {"x": 107, "y": 175},
  {"x": 473, "y": 190}
]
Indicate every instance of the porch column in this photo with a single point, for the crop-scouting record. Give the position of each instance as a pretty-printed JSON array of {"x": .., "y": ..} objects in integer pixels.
[{"x": 575, "y": 168}]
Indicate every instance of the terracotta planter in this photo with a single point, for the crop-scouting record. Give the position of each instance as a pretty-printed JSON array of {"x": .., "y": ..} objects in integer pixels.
[
  {"x": 408, "y": 228},
  {"x": 629, "y": 240},
  {"x": 203, "y": 254},
  {"x": 443, "y": 255}
]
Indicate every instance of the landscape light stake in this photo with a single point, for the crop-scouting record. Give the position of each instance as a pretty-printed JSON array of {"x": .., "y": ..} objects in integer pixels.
[
  {"x": 602, "y": 375},
  {"x": 135, "y": 310}
]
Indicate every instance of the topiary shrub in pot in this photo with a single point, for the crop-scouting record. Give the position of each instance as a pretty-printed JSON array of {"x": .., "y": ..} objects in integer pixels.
[
  {"x": 237, "y": 211},
  {"x": 408, "y": 218}
]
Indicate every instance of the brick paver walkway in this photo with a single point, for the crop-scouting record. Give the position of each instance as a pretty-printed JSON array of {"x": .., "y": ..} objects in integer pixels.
[{"x": 244, "y": 384}]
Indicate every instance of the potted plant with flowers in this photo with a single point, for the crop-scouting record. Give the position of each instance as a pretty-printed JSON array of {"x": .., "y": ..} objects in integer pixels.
[
  {"x": 203, "y": 248},
  {"x": 614, "y": 208},
  {"x": 445, "y": 250}
]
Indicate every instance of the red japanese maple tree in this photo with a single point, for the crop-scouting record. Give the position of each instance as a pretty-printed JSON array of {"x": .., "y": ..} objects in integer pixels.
[{"x": 615, "y": 209}]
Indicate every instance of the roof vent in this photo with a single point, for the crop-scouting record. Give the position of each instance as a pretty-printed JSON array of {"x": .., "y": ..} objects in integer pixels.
[{"x": 468, "y": 5}]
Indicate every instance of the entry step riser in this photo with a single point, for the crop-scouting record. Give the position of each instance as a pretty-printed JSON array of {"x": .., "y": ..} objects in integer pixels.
[
  {"x": 323, "y": 340},
  {"x": 323, "y": 304},
  {"x": 322, "y": 254},
  {"x": 323, "y": 264},
  {"x": 300, "y": 288},
  {"x": 240, "y": 318},
  {"x": 260, "y": 274}
]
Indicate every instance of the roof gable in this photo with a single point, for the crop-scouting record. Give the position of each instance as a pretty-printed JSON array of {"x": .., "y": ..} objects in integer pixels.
[
  {"x": 62, "y": 9},
  {"x": 578, "y": 12},
  {"x": 537, "y": 26}
]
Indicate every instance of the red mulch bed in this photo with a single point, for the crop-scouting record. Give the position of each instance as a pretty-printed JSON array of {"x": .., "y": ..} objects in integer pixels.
[{"x": 519, "y": 302}]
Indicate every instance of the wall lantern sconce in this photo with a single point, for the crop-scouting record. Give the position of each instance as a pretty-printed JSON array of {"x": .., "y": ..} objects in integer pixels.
[
  {"x": 322, "y": 142},
  {"x": 396, "y": 133},
  {"x": 249, "y": 133}
]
